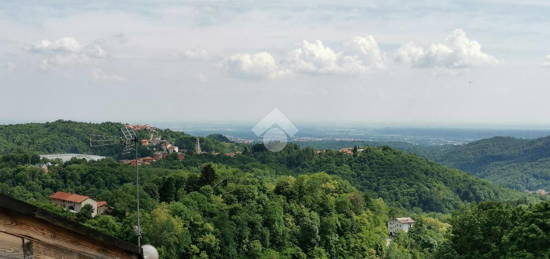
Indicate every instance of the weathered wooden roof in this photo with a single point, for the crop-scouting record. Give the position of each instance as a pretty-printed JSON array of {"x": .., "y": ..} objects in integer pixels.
[{"x": 15, "y": 206}]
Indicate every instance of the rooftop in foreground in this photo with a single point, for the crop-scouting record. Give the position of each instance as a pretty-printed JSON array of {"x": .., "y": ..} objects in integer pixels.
[{"x": 26, "y": 229}]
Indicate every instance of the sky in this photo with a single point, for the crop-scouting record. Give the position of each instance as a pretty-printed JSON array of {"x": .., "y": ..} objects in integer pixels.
[{"x": 424, "y": 63}]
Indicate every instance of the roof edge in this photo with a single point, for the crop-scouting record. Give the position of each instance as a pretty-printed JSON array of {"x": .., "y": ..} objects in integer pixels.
[{"x": 27, "y": 209}]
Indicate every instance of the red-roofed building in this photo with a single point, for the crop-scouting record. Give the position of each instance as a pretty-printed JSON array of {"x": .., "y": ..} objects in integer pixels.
[
  {"x": 69, "y": 197},
  {"x": 147, "y": 160},
  {"x": 140, "y": 127},
  {"x": 102, "y": 207},
  {"x": 232, "y": 154},
  {"x": 159, "y": 155},
  {"x": 75, "y": 202},
  {"x": 181, "y": 156},
  {"x": 347, "y": 151}
]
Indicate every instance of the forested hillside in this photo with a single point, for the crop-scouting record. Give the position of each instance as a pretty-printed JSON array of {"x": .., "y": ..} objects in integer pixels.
[
  {"x": 517, "y": 163},
  {"x": 499, "y": 230},
  {"x": 297, "y": 203},
  {"x": 401, "y": 179},
  {"x": 74, "y": 137},
  {"x": 421, "y": 150},
  {"x": 219, "y": 211},
  {"x": 216, "y": 211}
]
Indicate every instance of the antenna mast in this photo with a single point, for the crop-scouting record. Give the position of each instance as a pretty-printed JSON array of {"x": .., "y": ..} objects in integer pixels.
[
  {"x": 129, "y": 141},
  {"x": 137, "y": 193}
]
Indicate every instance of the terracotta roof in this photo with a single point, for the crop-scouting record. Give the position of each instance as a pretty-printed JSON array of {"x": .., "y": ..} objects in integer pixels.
[
  {"x": 406, "y": 220},
  {"x": 101, "y": 203},
  {"x": 65, "y": 196}
]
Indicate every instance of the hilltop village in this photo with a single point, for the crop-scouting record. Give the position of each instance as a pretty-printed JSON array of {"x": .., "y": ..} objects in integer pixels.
[{"x": 162, "y": 148}]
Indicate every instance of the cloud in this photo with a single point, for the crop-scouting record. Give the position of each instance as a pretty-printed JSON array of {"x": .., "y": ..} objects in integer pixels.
[
  {"x": 457, "y": 52},
  {"x": 360, "y": 55},
  {"x": 66, "y": 51},
  {"x": 546, "y": 62},
  {"x": 63, "y": 45},
  {"x": 314, "y": 58},
  {"x": 100, "y": 75},
  {"x": 367, "y": 49},
  {"x": 260, "y": 65},
  {"x": 195, "y": 54}
]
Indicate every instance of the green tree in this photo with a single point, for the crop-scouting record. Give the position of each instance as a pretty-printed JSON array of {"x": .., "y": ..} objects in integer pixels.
[
  {"x": 85, "y": 213},
  {"x": 208, "y": 175},
  {"x": 530, "y": 235},
  {"x": 166, "y": 232}
]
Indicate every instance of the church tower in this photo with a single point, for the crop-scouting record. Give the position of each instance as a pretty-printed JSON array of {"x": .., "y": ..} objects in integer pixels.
[{"x": 198, "y": 147}]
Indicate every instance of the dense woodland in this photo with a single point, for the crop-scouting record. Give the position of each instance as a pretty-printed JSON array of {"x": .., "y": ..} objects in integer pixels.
[
  {"x": 521, "y": 164},
  {"x": 216, "y": 211},
  {"x": 297, "y": 203},
  {"x": 401, "y": 179}
]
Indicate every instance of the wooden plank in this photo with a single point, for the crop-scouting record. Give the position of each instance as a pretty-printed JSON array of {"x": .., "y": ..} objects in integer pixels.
[
  {"x": 46, "y": 237},
  {"x": 11, "y": 246}
]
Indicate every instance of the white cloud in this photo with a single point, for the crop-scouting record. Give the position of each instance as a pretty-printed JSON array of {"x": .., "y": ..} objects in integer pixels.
[
  {"x": 546, "y": 62},
  {"x": 367, "y": 49},
  {"x": 457, "y": 52},
  {"x": 314, "y": 58},
  {"x": 63, "y": 45},
  {"x": 260, "y": 65},
  {"x": 361, "y": 55},
  {"x": 66, "y": 51}
]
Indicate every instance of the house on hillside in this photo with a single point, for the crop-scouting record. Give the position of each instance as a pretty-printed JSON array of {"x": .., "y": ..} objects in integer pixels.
[
  {"x": 102, "y": 207},
  {"x": 172, "y": 149},
  {"x": 400, "y": 224},
  {"x": 147, "y": 160},
  {"x": 138, "y": 127},
  {"x": 45, "y": 167},
  {"x": 159, "y": 155},
  {"x": 145, "y": 142},
  {"x": 74, "y": 202},
  {"x": 347, "y": 151},
  {"x": 232, "y": 154}
]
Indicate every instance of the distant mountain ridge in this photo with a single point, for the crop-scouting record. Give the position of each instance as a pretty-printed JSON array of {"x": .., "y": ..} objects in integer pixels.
[
  {"x": 64, "y": 136},
  {"x": 522, "y": 164}
]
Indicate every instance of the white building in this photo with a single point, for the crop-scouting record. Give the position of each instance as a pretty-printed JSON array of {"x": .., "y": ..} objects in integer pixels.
[
  {"x": 68, "y": 157},
  {"x": 400, "y": 224},
  {"x": 172, "y": 149},
  {"x": 74, "y": 202}
]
